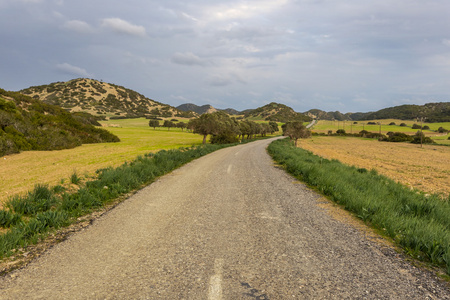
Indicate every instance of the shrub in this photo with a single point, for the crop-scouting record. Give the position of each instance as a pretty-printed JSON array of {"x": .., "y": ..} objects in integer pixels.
[
  {"x": 426, "y": 127},
  {"x": 392, "y": 123},
  {"x": 371, "y": 123},
  {"x": 416, "y": 126},
  {"x": 340, "y": 131},
  {"x": 442, "y": 130},
  {"x": 403, "y": 125}
]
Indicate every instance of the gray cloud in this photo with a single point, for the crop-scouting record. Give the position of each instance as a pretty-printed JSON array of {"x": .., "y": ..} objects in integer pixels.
[
  {"x": 188, "y": 59},
  {"x": 347, "y": 55}
]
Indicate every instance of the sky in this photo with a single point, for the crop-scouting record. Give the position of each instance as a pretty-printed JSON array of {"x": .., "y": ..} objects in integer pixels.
[{"x": 333, "y": 55}]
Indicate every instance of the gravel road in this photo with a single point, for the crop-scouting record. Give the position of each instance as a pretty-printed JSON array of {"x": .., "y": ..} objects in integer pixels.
[{"x": 230, "y": 225}]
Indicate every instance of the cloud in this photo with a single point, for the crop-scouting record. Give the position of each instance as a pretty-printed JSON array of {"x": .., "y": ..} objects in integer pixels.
[
  {"x": 188, "y": 59},
  {"x": 72, "y": 70},
  {"x": 78, "y": 26},
  {"x": 123, "y": 27}
]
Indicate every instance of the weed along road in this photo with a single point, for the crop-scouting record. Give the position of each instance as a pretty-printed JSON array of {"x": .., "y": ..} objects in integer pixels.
[{"x": 230, "y": 225}]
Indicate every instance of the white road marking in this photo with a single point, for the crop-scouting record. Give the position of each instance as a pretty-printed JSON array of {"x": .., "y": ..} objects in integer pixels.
[{"x": 215, "y": 282}]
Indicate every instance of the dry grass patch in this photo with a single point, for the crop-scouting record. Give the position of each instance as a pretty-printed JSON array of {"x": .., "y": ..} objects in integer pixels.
[{"x": 426, "y": 169}]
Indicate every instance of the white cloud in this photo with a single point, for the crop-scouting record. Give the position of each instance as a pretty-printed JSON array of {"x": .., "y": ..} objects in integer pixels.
[
  {"x": 124, "y": 27},
  {"x": 72, "y": 70},
  {"x": 78, "y": 26}
]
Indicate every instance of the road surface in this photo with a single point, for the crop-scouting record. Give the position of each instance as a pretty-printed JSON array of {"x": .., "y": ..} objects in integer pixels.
[{"x": 230, "y": 225}]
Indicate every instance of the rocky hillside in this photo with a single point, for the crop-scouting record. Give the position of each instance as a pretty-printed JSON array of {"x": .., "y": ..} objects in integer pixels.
[
  {"x": 30, "y": 124},
  {"x": 101, "y": 99},
  {"x": 276, "y": 112}
]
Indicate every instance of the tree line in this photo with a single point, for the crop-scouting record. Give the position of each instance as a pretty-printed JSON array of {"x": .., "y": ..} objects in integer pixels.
[{"x": 224, "y": 129}]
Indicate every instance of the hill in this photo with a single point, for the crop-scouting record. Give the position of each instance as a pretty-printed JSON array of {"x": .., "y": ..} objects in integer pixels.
[
  {"x": 433, "y": 112},
  {"x": 205, "y": 109},
  {"x": 29, "y": 124},
  {"x": 323, "y": 115},
  {"x": 196, "y": 109},
  {"x": 276, "y": 112},
  {"x": 101, "y": 99}
]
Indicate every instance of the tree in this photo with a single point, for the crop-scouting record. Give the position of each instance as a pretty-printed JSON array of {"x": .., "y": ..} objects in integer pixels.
[
  {"x": 168, "y": 124},
  {"x": 296, "y": 130},
  {"x": 273, "y": 127},
  {"x": 153, "y": 123},
  {"x": 181, "y": 125},
  {"x": 205, "y": 125}
]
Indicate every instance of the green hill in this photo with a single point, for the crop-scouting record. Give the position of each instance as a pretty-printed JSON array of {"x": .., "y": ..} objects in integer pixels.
[
  {"x": 433, "y": 112},
  {"x": 101, "y": 99},
  {"x": 29, "y": 124},
  {"x": 276, "y": 112}
]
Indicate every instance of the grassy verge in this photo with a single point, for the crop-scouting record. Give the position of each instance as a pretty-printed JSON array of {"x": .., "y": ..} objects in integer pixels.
[
  {"x": 418, "y": 223},
  {"x": 26, "y": 219}
]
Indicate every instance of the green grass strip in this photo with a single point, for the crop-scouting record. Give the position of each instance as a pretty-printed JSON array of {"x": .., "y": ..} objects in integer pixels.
[
  {"x": 417, "y": 222},
  {"x": 28, "y": 218}
]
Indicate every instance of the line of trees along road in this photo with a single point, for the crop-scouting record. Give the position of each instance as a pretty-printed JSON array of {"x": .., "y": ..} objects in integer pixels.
[{"x": 224, "y": 129}]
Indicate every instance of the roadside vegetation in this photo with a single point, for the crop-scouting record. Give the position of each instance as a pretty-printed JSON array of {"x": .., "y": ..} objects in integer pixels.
[
  {"x": 417, "y": 222},
  {"x": 26, "y": 219}
]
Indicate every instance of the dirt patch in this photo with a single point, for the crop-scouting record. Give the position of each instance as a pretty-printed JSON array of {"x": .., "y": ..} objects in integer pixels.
[{"x": 426, "y": 169}]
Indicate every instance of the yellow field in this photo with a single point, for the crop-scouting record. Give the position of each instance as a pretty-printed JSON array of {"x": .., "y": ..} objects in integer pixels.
[
  {"x": 426, "y": 169},
  {"x": 20, "y": 172}
]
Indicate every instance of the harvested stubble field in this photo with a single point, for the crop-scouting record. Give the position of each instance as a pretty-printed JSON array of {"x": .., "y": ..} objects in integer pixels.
[
  {"x": 426, "y": 169},
  {"x": 20, "y": 172}
]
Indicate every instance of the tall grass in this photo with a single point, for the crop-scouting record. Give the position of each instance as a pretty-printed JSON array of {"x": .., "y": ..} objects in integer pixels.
[
  {"x": 419, "y": 223},
  {"x": 27, "y": 218}
]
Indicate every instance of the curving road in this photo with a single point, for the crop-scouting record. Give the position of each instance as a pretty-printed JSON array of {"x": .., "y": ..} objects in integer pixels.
[{"x": 230, "y": 225}]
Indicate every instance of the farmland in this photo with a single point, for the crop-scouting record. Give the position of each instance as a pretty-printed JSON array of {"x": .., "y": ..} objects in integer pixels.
[
  {"x": 20, "y": 172},
  {"x": 425, "y": 169},
  {"x": 383, "y": 127}
]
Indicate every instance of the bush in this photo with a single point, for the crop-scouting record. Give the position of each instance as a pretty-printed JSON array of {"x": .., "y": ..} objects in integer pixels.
[
  {"x": 426, "y": 127},
  {"x": 416, "y": 126},
  {"x": 340, "y": 131},
  {"x": 224, "y": 138},
  {"x": 442, "y": 130},
  {"x": 403, "y": 125},
  {"x": 371, "y": 123},
  {"x": 397, "y": 137},
  {"x": 392, "y": 123}
]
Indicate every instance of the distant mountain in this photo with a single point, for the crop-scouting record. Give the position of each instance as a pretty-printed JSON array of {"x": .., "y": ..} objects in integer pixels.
[
  {"x": 30, "y": 124},
  {"x": 101, "y": 99},
  {"x": 433, "y": 112},
  {"x": 323, "y": 115},
  {"x": 197, "y": 109},
  {"x": 276, "y": 112},
  {"x": 231, "y": 111}
]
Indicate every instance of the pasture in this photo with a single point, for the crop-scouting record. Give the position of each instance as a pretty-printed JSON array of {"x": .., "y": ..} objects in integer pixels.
[{"x": 21, "y": 172}]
